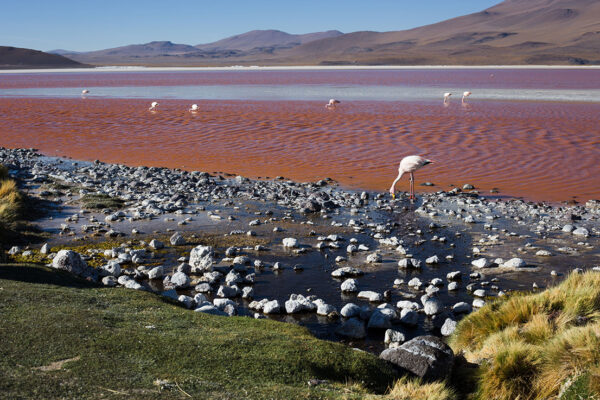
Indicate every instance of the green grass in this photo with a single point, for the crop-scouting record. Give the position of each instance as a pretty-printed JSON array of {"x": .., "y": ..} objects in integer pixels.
[
  {"x": 529, "y": 345},
  {"x": 101, "y": 201},
  {"x": 49, "y": 316}
]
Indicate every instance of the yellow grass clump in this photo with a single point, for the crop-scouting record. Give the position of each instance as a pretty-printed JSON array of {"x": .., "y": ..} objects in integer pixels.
[
  {"x": 10, "y": 198},
  {"x": 414, "y": 389},
  {"x": 529, "y": 345}
]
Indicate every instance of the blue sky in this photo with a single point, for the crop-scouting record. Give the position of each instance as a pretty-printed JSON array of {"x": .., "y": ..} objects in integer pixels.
[{"x": 85, "y": 25}]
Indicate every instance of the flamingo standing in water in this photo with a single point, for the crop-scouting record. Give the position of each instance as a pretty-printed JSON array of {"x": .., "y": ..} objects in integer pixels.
[
  {"x": 465, "y": 95},
  {"x": 447, "y": 97},
  {"x": 194, "y": 108},
  {"x": 84, "y": 92},
  {"x": 332, "y": 104},
  {"x": 153, "y": 106},
  {"x": 409, "y": 165}
]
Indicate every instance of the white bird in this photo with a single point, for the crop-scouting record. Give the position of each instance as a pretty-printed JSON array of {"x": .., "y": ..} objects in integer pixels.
[
  {"x": 153, "y": 106},
  {"x": 447, "y": 97},
  {"x": 409, "y": 165},
  {"x": 332, "y": 104},
  {"x": 85, "y": 91},
  {"x": 194, "y": 108},
  {"x": 465, "y": 95}
]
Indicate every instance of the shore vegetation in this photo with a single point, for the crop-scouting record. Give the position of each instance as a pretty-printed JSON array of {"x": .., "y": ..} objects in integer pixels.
[{"x": 539, "y": 345}]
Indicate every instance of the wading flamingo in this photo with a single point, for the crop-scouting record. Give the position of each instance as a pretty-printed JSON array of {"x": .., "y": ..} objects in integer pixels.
[
  {"x": 465, "y": 95},
  {"x": 84, "y": 91},
  {"x": 447, "y": 97},
  {"x": 153, "y": 106},
  {"x": 409, "y": 165},
  {"x": 332, "y": 104},
  {"x": 194, "y": 108}
]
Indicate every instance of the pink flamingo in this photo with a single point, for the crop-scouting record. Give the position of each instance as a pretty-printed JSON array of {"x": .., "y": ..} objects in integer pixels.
[
  {"x": 409, "y": 165},
  {"x": 332, "y": 104}
]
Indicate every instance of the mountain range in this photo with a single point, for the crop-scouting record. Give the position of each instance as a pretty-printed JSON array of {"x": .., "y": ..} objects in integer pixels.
[
  {"x": 511, "y": 32},
  {"x": 16, "y": 57}
]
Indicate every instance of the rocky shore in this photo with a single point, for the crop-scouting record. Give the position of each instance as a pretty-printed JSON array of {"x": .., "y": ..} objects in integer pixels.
[{"x": 356, "y": 267}]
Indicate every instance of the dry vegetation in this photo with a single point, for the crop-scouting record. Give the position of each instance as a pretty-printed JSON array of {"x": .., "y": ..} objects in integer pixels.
[
  {"x": 11, "y": 200},
  {"x": 530, "y": 345}
]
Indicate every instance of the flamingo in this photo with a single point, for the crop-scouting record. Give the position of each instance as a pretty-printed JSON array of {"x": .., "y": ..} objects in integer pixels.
[
  {"x": 447, "y": 97},
  {"x": 332, "y": 104},
  {"x": 85, "y": 91},
  {"x": 153, "y": 106},
  {"x": 194, "y": 108},
  {"x": 465, "y": 95},
  {"x": 409, "y": 165}
]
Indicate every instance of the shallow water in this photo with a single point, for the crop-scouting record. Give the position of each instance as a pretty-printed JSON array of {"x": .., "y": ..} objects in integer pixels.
[{"x": 268, "y": 123}]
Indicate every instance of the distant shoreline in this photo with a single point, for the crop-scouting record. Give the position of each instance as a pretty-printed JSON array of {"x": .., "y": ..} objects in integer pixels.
[{"x": 290, "y": 68}]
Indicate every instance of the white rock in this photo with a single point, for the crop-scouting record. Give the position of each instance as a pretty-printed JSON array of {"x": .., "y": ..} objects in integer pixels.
[
  {"x": 187, "y": 301},
  {"x": 201, "y": 259},
  {"x": 432, "y": 260},
  {"x": 370, "y": 295},
  {"x": 325, "y": 309},
  {"x": 581, "y": 232},
  {"x": 271, "y": 307},
  {"x": 290, "y": 242},
  {"x": 449, "y": 327},
  {"x": 409, "y": 317},
  {"x": 374, "y": 258},
  {"x": 156, "y": 272},
  {"x": 481, "y": 263},
  {"x": 350, "y": 310},
  {"x": 180, "y": 280},
  {"x": 461, "y": 307},
  {"x": 478, "y": 303},
  {"x": 514, "y": 263},
  {"x": 432, "y": 307},
  {"x": 350, "y": 285},
  {"x": 392, "y": 336}
]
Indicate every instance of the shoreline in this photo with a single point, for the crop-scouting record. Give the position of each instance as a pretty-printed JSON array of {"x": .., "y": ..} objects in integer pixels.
[
  {"x": 407, "y": 253},
  {"x": 299, "y": 67}
]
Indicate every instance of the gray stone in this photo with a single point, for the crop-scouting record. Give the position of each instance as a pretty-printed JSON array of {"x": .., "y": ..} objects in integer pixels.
[
  {"x": 432, "y": 306},
  {"x": 514, "y": 263},
  {"x": 109, "y": 281},
  {"x": 449, "y": 327},
  {"x": 180, "y": 280},
  {"x": 381, "y": 318},
  {"x": 370, "y": 295},
  {"x": 45, "y": 249},
  {"x": 156, "y": 272},
  {"x": 156, "y": 244},
  {"x": 210, "y": 309},
  {"x": 272, "y": 307},
  {"x": 350, "y": 285},
  {"x": 70, "y": 261},
  {"x": 290, "y": 242},
  {"x": 228, "y": 291},
  {"x": 409, "y": 317},
  {"x": 427, "y": 357},
  {"x": 392, "y": 336},
  {"x": 201, "y": 259},
  {"x": 350, "y": 310},
  {"x": 581, "y": 232},
  {"x": 325, "y": 309},
  {"x": 187, "y": 301},
  {"x": 177, "y": 240},
  {"x": 481, "y": 263},
  {"x": 346, "y": 271}
]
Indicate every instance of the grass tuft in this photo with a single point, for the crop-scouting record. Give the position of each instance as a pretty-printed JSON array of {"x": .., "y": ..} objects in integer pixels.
[
  {"x": 414, "y": 389},
  {"x": 529, "y": 345}
]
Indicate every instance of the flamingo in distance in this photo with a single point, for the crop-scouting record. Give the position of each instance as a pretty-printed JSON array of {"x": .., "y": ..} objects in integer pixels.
[
  {"x": 84, "y": 92},
  {"x": 447, "y": 97},
  {"x": 153, "y": 106},
  {"x": 409, "y": 165},
  {"x": 194, "y": 108},
  {"x": 332, "y": 104},
  {"x": 465, "y": 95}
]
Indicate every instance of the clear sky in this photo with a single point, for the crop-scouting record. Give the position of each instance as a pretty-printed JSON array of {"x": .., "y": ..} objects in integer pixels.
[{"x": 84, "y": 25}]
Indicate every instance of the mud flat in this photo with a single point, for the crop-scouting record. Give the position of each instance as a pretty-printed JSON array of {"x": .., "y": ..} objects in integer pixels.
[{"x": 352, "y": 266}]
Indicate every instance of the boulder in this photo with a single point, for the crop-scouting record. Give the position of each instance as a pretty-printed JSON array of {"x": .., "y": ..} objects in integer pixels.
[
  {"x": 156, "y": 272},
  {"x": 427, "y": 357},
  {"x": 70, "y": 261},
  {"x": 449, "y": 327},
  {"x": 179, "y": 280},
  {"x": 177, "y": 239},
  {"x": 370, "y": 295},
  {"x": 201, "y": 259},
  {"x": 271, "y": 307},
  {"x": 432, "y": 306},
  {"x": 350, "y": 310},
  {"x": 392, "y": 336},
  {"x": 156, "y": 244},
  {"x": 290, "y": 242},
  {"x": 350, "y": 285},
  {"x": 514, "y": 263}
]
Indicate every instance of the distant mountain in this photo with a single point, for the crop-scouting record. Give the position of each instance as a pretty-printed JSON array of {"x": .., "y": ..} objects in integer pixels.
[
  {"x": 260, "y": 39},
  {"x": 264, "y": 42},
  {"x": 15, "y": 57},
  {"x": 63, "y": 52},
  {"x": 512, "y": 32}
]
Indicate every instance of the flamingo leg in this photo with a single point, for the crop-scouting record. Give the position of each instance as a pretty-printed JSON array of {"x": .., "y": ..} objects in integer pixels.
[{"x": 412, "y": 186}]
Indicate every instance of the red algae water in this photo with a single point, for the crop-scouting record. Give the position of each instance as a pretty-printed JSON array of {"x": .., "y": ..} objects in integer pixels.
[{"x": 538, "y": 150}]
